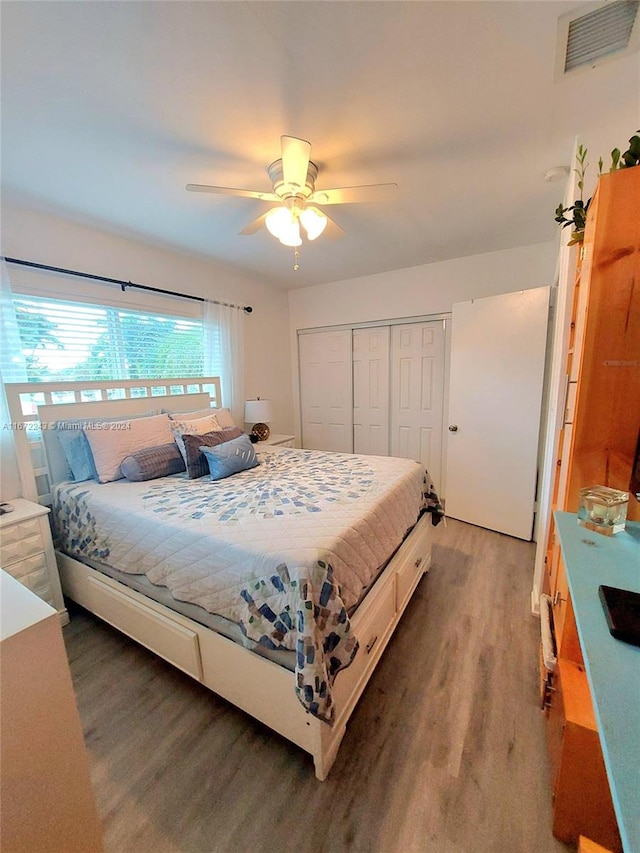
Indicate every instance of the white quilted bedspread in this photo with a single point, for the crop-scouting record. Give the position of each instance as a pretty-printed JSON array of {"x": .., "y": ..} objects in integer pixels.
[{"x": 284, "y": 549}]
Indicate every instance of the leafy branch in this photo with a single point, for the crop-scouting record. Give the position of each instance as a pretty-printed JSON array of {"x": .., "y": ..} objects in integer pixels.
[
  {"x": 631, "y": 156},
  {"x": 575, "y": 215},
  {"x": 577, "y": 218}
]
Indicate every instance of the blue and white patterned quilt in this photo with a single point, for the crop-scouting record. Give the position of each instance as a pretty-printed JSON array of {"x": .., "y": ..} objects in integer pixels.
[{"x": 284, "y": 550}]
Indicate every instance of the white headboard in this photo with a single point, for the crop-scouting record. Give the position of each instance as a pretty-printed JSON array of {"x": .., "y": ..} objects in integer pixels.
[{"x": 34, "y": 405}]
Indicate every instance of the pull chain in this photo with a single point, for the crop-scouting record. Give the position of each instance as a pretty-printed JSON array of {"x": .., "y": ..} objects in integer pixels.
[{"x": 296, "y": 259}]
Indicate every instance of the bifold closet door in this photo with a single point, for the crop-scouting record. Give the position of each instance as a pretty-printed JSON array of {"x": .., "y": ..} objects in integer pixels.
[
  {"x": 326, "y": 390},
  {"x": 371, "y": 391},
  {"x": 417, "y": 394}
]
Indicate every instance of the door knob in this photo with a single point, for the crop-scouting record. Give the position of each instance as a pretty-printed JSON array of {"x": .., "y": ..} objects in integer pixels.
[{"x": 453, "y": 427}]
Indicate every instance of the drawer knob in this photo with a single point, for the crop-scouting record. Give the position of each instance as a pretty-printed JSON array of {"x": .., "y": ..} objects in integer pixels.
[{"x": 418, "y": 561}]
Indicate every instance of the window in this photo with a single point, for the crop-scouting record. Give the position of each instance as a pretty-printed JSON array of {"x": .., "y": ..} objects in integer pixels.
[{"x": 76, "y": 341}]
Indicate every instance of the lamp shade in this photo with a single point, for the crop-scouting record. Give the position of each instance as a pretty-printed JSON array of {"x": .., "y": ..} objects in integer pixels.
[
  {"x": 314, "y": 222},
  {"x": 278, "y": 220},
  {"x": 257, "y": 411}
]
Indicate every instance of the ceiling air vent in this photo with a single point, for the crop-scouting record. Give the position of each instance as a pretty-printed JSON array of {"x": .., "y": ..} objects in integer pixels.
[{"x": 602, "y": 32}]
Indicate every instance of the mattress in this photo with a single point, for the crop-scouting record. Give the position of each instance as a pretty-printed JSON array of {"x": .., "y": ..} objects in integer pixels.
[{"x": 283, "y": 551}]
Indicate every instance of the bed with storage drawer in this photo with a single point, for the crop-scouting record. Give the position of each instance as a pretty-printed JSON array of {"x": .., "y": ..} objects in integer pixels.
[{"x": 274, "y": 576}]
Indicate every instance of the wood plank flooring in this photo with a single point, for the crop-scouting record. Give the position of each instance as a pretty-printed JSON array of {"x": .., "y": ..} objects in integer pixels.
[{"x": 445, "y": 753}]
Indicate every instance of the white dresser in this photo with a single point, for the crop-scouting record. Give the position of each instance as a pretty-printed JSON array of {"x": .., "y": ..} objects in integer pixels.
[
  {"x": 26, "y": 552},
  {"x": 48, "y": 803}
]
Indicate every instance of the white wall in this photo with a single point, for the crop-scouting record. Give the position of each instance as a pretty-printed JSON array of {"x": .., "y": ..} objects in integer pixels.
[
  {"x": 428, "y": 289},
  {"x": 49, "y": 239},
  {"x": 417, "y": 291}
]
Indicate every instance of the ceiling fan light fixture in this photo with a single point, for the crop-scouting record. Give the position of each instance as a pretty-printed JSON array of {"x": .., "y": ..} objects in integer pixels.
[
  {"x": 290, "y": 236},
  {"x": 293, "y": 179},
  {"x": 278, "y": 220},
  {"x": 314, "y": 222}
]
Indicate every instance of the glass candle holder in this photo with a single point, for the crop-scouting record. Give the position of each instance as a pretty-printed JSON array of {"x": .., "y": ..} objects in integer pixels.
[{"x": 603, "y": 510}]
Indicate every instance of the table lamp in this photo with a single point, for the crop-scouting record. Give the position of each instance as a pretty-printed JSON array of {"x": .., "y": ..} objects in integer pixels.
[{"x": 259, "y": 412}]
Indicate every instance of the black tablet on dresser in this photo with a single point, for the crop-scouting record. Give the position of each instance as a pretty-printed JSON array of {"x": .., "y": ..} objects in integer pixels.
[{"x": 622, "y": 609}]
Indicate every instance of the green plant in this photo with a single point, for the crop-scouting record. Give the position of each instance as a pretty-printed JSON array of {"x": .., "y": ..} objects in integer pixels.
[
  {"x": 631, "y": 156},
  {"x": 577, "y": 218},
  {"x": 575, "y": 215}
]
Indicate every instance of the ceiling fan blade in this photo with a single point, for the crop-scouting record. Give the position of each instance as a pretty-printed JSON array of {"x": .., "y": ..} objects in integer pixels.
[
  {"x": 204, "y": 188},
  {"x": 295, "y": 160},
  {"x": 333, "y": 231},
  {"x": 254, "y": 226},
  {"x": 351, "y": 195}
]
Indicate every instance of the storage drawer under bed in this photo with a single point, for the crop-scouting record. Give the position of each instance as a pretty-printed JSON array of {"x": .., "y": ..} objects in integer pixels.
[
  {"x": 415, "y": 562},
  {"x": 128, "y": 613},
  {"x": 372, "y": 623}
]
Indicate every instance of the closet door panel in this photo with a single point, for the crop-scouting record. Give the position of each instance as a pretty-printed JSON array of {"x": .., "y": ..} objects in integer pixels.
[
  {"x": 326, "y": 390},
  {"x": 417, "y": 393},
  {"x": 371, "y": 390}
]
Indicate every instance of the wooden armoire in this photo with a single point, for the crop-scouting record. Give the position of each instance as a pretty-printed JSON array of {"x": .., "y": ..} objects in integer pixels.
[{"x": 597, "y": 446}]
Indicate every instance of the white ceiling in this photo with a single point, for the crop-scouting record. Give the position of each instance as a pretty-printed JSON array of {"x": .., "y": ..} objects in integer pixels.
[{"x": 110, "y": 108}]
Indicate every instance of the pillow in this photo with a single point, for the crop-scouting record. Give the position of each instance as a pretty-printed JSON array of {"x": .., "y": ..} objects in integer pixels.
[
  {"x": 76, "y": 447},
  {"x": 198, "y": 426},
  {"x": 77, "y": 453},
  {"x": 111, "y": 442},
  {"x": 223, "y": 416},
  {"x": 230, "y": 457},
  {"x": 152, "y": 462},
  {"x": 195, "y": 461}
]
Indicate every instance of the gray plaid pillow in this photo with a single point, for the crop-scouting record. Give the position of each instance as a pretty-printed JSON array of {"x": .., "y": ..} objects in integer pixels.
[
  {"x": 197, "y": 465},
  {"x": 152, "y": 462}
]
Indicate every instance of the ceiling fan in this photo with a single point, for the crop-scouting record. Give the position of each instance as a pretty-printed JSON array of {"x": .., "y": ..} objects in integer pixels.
[{"x": 293, "y": 178}]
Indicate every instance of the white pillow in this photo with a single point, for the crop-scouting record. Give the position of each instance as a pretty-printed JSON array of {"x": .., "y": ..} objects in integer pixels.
[
  {"x": 111, "y": 442},
  {"x": 223, "y": 415},
  {"x": 198, "y": 426},
  {"x": 224, "y": 418}
]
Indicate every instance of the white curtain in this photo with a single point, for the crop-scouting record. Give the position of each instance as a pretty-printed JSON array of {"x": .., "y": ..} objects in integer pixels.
[
  {"x": 12, "y": 369},
  {"x": 224, "y": 353}
]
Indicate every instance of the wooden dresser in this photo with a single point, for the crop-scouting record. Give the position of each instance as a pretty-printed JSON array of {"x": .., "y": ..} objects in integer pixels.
[{"x": 596, "y": 447}]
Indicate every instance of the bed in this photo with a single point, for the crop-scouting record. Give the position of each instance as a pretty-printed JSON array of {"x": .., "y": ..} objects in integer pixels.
[{"x": 278, "y": 587}]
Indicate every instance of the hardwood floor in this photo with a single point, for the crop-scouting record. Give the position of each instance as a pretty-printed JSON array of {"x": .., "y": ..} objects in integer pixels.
[{"x": 445, "y": 753}]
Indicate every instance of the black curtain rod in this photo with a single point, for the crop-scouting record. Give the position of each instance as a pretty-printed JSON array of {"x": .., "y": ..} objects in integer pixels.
[{"x": 123, "y": 284}]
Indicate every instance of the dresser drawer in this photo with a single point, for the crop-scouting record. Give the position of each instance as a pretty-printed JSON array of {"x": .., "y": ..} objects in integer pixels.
[
  {"x": 20, "y": 541},
  {"x": 21, "y": 568},
  {"x": 38, "y": 583},
  {"x": 15, "y": 532},
  {"x": 32, "y": 572}
]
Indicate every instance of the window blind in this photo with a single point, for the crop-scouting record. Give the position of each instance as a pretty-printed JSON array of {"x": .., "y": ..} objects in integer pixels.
[{"x": 75, "y": 341}]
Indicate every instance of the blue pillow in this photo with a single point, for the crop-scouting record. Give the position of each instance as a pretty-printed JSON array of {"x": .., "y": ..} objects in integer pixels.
[
  {"x": 230, "y": 457},
  {"x": 77, "y": 452}
]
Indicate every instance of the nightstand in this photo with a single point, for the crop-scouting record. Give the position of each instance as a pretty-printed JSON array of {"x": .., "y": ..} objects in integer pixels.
[
  {"x": 26, "y": 552},
  {"x": 279, "y": 440}
]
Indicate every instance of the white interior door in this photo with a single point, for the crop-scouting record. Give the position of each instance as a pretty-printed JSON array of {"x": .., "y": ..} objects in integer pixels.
[
  {"x": 417, "y": 390},
  {"x": 371, "y": 391},
  {"x": 497, "y": 371},
  {"x": 325, "y": 390}
]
